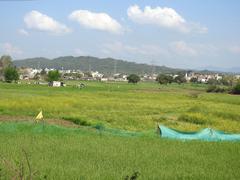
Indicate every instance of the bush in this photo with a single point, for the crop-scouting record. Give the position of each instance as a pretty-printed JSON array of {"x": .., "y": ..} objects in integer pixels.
[
  {"x": 53, "y": 76},
  {"x": 215, "y": 89},
  {"x": 133, "y": 78},
  {"x": 236, "y": 89},
  {"x": 11, "y": 74},
  {"x": 78, "y": 121},
  {"x": 164, "y": 79},
  {"x": 194, "y": 80},
  {"x": 179, "y": 79},
  {"x": 211, "y": 88}
]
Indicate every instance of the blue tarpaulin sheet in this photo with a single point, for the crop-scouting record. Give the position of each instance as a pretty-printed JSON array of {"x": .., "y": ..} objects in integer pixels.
[{"x": 206, "y": 134}]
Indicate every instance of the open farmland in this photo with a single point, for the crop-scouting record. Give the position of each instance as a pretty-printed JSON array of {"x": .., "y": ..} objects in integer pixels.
[
  {"x": 111, "y": 131},
  {"x": 125, "y": 106},
  {"x": 66, "y": 153}
]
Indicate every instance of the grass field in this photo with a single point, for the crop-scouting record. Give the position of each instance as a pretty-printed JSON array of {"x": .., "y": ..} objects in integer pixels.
[
  {"x": 65, "y": 153},
  {"x": 125, "y": 106},
  {"x": 128, "y": 114}
]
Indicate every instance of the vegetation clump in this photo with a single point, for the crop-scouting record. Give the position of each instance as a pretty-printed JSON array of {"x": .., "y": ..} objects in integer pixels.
[
  {"x": 53, "y": 76},
  {"x": 180, "y": 79},
  {"x": 78, "y": 121},
  {"x": 8, "y": 72},
  {"x": 236, "y": 89},
  {"x": 133, "y": 78},
  {"x": 216, "y": 89},
  {"x": 164, "y": 79},
  {"x": 195, "y": 118},
  {"x": 11, "y": 74}
]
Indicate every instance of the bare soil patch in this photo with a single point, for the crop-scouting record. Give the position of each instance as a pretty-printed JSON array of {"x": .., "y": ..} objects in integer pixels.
[{"x": 59, "y": 122}]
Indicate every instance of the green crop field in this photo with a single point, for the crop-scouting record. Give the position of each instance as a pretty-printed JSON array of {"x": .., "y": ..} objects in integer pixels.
[
  {"x": 65, "y": 153},
  {"x": 125, "y": 106},
  {"x": 114, "y": 133}
]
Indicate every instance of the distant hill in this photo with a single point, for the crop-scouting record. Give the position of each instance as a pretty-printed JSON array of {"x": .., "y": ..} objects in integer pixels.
[
  {"x": 221, "y": 69},
  {"x": 84, "y": 63}
]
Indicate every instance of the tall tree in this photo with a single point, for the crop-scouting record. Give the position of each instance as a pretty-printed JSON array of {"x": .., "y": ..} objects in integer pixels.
[
  {"x": 53, "y": 76},
  {"x": 133, "y": 78},
  {"x": 10, "y": 74},
  {"x": 5, "y": 61},
  {"x": 164, "y": 79},
  {"x": 180, "y": 79}
]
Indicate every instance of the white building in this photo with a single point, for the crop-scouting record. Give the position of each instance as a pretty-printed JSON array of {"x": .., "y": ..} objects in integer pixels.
[
  {"x": 55, "y": 84},
  {"x": 96, "y": 74}
]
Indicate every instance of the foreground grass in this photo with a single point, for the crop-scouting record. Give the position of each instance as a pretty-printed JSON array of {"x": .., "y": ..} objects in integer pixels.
[
  {"x": 125, "y": 106},
  {"x": 60, "y": 153}
]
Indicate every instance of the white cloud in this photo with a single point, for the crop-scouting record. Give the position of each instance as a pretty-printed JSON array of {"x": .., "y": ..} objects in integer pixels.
[
  {"x": 38, "y": 21},
  {"x": 9, "y": 49},
  {"x": 99, "y": 21},
  {"x": 182, "y": 48},
  {"x": 23, "y": 32},
  {"x": 235, "y": 49},
  {"x": 163, "y": 17}
]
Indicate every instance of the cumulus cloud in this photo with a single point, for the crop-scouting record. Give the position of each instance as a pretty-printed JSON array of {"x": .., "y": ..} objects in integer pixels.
[
  {"x": 38, "y": 21},
  {"x": 99, "y": 21},
  {"x": 163, "y": 17},
  {"x": 23, "y": 32},
  {"x": 8, "y": 48}
]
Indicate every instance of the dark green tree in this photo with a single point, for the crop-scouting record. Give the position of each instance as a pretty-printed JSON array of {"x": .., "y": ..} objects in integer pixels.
[
  {"x": 180, "y": 79},
  {"x": 5, "y": 61},
  {"x": 236, "y": 89},
  {"x": 53, "y": 76},
  {"x": 10, "y": 74},
  {"x": 43, "y": 72},
  {"x": 133, "y": 78},
  {"x": 193, "y": 80},
  {"x": 164, "y": 79},
  {"x": 88, "y": 74},
  {"x": 213, "y": 82}
]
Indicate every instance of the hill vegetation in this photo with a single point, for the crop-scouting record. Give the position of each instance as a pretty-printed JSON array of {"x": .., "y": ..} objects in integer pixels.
[{"x": 86, "y": 63}]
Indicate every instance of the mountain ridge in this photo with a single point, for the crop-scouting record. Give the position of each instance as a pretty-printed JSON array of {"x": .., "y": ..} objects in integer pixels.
[{"x": 85, "y": 63}]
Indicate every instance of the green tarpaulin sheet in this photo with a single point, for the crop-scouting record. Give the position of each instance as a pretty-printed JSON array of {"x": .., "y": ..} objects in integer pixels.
[{"x": 206, "y": 134}]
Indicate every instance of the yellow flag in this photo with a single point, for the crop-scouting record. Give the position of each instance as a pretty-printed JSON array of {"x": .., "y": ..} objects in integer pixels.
[{"x": 39, "y": 116}]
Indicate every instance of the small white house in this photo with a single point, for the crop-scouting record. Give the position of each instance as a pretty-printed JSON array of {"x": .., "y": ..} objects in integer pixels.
[{"x": 55, "y": 84}]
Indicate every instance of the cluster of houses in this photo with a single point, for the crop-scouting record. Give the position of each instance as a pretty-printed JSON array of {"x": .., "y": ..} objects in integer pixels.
[
  {"x": 202, "y": 78},
  {"x": 30, "y": 73}
]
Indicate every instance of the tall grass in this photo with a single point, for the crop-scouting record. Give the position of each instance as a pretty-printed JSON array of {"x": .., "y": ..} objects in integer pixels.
[
  {"x": 125, "y": 106},
  {"x": 61, "y": 153}
]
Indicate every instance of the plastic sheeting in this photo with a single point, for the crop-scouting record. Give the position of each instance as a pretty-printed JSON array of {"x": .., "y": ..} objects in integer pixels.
[{"x": 206, "y": 134}]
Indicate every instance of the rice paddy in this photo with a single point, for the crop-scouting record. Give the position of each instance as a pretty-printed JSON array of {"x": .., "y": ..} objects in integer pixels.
[{"x": 128, "y": 145}]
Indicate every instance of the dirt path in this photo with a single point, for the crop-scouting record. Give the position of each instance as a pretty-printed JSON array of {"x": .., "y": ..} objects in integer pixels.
[{"x": 59, "y": 122}]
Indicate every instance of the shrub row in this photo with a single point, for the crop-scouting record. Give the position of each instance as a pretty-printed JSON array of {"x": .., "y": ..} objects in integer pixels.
[{"x": 218, "y": 89}]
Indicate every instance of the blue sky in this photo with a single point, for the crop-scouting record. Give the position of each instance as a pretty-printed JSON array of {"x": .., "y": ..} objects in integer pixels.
[{"x": 175, "y": 33}]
